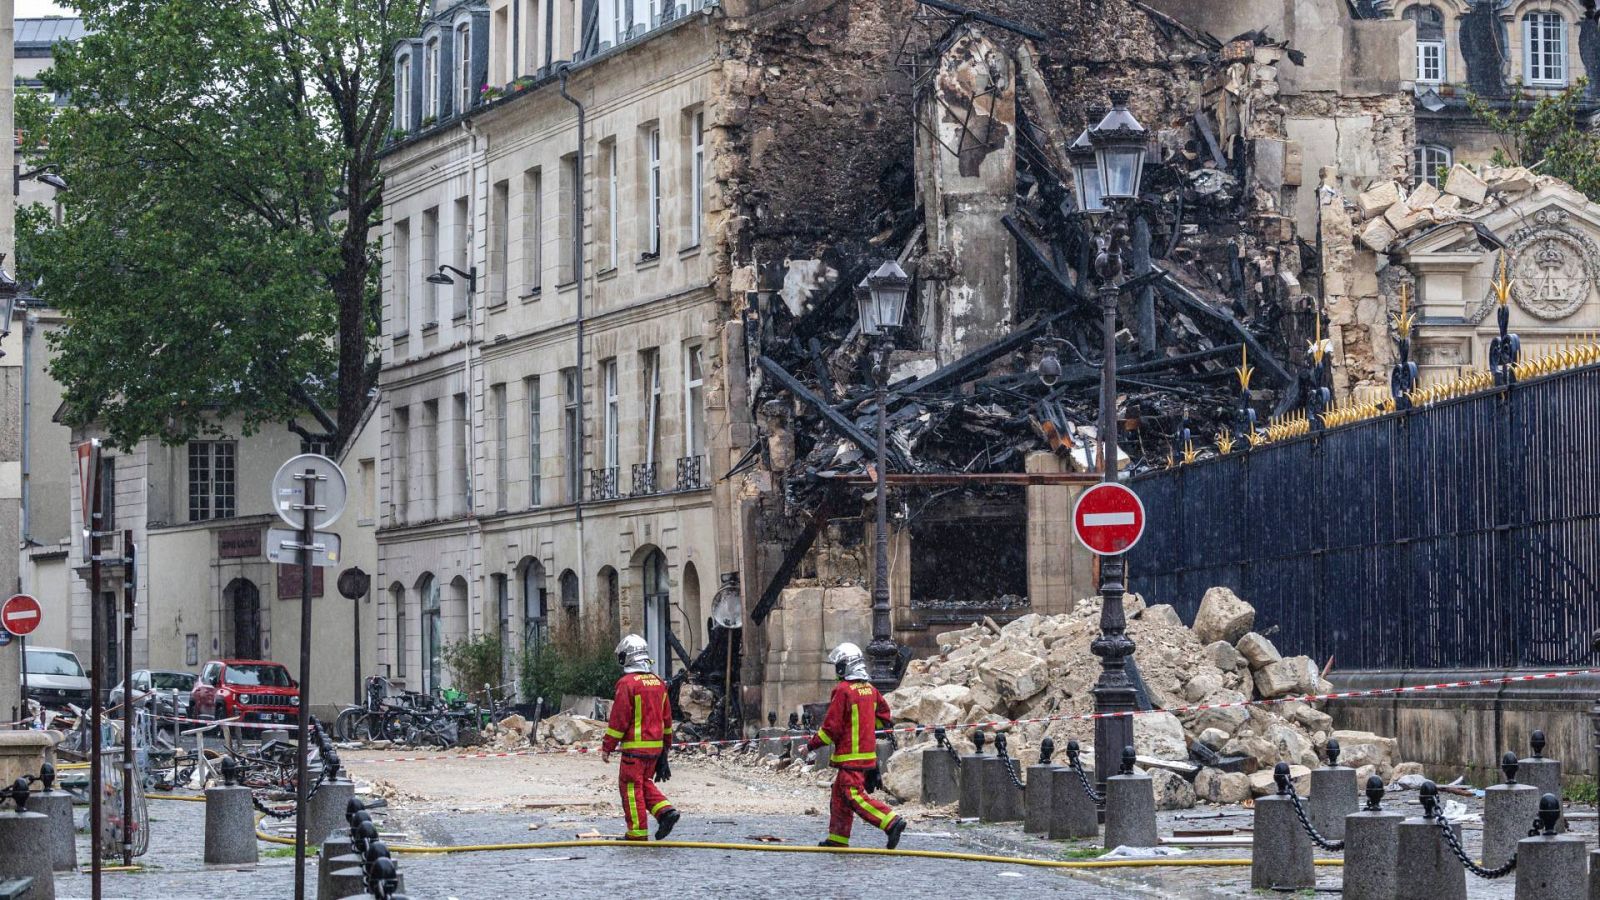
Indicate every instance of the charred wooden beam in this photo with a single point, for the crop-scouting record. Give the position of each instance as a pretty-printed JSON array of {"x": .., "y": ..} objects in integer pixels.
[
  {"x": 845, "y": 428},
  {"x": 791, "y": 560},
  {"x": 927, "y": 479},
  {"x": 1181, "y": 294},
  {"x": 967, "y": 12}
]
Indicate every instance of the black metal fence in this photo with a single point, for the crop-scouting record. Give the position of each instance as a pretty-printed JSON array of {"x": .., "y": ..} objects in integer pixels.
[{"x": 1461, "y": 535}]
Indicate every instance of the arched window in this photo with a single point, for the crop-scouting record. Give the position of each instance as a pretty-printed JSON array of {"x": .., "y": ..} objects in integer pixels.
[
  {"x": 432, "y": 635},
  {"x": 1544, "y": 49},
  {"x": 1427, "y": 161},
  {"x": 1430, "y": 42},
  {"x": 535, "y": 606},
  {"x": 463, "y": 60},
  {"x": 657, "y": 610},
  {"x": 397, "y": 638},
  {"x": 430, "y": 80},
  {"x": 569, "y": 590},
  {"x": 402, "y": 92}
]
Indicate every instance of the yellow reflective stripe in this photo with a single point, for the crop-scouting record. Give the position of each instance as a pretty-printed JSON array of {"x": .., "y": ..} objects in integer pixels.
[
  {"x": 641, "y": 745},
  {"x": 839, "y": 839},
  {"x": 868, "y": 809},
  {"x": 851, "y": 757},
  {"x": 632, "y": 810},
  {"x": 855, "y": 729},
  {"x": 613, "y": 733},
  {"x": 656, "y": 810},
  {"x": 638, "y": 719},
  {"x": 823, "y": 737}
]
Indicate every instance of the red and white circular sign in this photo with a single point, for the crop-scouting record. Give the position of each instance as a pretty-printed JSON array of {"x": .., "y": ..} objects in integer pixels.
[
  {"x": 20, "y": 615},
  {"x": 1108, "y": 519}
]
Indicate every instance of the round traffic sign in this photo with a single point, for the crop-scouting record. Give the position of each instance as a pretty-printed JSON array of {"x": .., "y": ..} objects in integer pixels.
[
  {"x": 1108, "y": 519},
  {"x": 20, "y": 615},
  {"x": 289, "y": 490}
]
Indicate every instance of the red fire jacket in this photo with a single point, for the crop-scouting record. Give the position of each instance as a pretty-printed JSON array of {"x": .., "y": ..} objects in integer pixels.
[
  {"x": 641, "y": 716},
  {"x": 855, "y": 711}
]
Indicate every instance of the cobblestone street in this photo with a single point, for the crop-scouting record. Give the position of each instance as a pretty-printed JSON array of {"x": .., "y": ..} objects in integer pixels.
[{"x": 174, "y": 870}]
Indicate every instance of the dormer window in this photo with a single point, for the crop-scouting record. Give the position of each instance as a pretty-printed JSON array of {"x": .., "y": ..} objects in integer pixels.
[
  {"x": 463, "y": 60},
  {"x": 402, "y": 92},
  {"x": 430, "y": 80},
  {"x": 1430, "y": 43},
  {"x": 1544, "y": 49}
]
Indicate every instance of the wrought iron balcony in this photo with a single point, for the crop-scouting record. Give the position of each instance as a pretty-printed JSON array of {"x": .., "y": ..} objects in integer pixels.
[
  {"x": 690, "y": 476},
  {"x": 603, "y": 484},
  {"x": 644, "y": 480}
]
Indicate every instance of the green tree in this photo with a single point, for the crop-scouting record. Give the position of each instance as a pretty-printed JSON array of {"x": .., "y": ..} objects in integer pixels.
[
  {"x": 475, "y": 662},
  {"x": 1548, "y": 134},
  {"x": 216, "y": 256}
]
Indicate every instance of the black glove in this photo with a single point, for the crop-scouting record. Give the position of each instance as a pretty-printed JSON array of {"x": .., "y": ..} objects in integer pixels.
[
  {"x": 873, "y": 781},
  {"x": 663, "y": 768}
]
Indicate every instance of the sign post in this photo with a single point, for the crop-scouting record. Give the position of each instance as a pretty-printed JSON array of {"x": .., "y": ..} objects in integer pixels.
[
  {"x": 129, "y": 579},
  {"x": 20, "y": 616},
  {"x": 1108, "y": 519},
  {"x": 88, "y": 459},
  {"x": 309, "y": 493}
]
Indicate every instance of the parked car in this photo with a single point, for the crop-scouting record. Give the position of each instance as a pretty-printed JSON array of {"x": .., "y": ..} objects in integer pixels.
[
  {"x": 255, "y": 690},
  {"x": 171, "y": 690},
  {"x": 56, "y": 678}
]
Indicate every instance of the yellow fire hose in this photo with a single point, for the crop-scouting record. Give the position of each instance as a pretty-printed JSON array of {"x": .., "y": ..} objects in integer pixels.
[{"x": 793, "y": 848}]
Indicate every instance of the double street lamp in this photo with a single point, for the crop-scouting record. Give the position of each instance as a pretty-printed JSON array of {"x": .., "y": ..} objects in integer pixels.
[
  {"x": 1108, "y": 164},
  {"x": 881, "y": 305}
]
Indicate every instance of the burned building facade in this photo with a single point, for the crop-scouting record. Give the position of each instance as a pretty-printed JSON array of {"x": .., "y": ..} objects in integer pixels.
[{"x": 657, "y": 218}]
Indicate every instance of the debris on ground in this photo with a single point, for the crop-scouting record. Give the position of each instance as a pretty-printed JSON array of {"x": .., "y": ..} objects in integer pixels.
[{"x": 567, "y": 729}]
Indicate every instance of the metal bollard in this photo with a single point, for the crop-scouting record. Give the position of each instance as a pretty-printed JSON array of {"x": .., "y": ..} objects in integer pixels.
[
  {"x": 25, "y": 843},
  {"x": 970, "y": 804},
  {"x": 1002, "y": 801},
  {"x": 1040, "y": 787},
  {"x": 1075, "y": 805},
  {"x": 1550, "y": 866},
  {"x": 1542, "y": 772},
  {"x": 1371, "y": 839},
  {"x": 1130, "y": 808},
  {"x": 1507, "y": 810},
  {"x": 63, "y": 831},
  {"x": 941, "y": 772},
  {"x": 230, "y": 821},
  {"x": 1431, "y": 871},
  {"x": 1280, "y": 855},
  {"x": 1333, "y": 795}
]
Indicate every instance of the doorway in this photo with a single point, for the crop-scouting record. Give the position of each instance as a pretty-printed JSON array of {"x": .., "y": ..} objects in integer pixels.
[
  {"x": 243, "y": 602},
  {"x": 657, "y": 611}
]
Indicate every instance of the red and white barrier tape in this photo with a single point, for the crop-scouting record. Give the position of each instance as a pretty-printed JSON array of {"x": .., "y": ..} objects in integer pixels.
[
  {"x": 234, "y": 723},
  {"x": 917, "y": 729}
]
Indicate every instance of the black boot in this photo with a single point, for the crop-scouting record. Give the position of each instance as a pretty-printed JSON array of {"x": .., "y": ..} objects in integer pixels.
[
  {"x": 894, "y": 831},
  {"x": 665, "y": 823}
]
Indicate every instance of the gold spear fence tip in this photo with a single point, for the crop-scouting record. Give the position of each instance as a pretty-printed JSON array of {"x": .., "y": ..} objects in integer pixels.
[
  {"x": 1245, "y": 370},
  {"x": 1224, "y": 443},
  {"x": 1189, "y": 453},
  {"x": 1502, "y": 285}
]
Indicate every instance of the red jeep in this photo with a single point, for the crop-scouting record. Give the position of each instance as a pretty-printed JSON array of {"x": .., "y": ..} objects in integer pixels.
[{"x": 255, "y": 690}]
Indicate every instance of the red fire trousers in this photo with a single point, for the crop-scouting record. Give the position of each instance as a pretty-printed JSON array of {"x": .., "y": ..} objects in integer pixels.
[
  {"x": 640, "y": 796},
  {"x": 850, "y": 799}
]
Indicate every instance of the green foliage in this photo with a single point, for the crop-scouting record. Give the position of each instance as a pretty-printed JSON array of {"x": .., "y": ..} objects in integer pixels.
[
  {"x": 215, "y": 258},
  {"x": 582, "y": 665},
  {"x": 1549, "y": 134},
  {"x": 1580, "y": 792},
  {"x": 475, "y": 662}
]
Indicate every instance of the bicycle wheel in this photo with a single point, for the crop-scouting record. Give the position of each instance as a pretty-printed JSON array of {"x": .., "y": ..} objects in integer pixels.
[{"x": 342, "y": 723}]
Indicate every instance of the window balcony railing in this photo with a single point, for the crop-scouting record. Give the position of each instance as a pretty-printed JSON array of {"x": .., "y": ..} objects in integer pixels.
[
  {"x": 603, "y": 484},
  {"x": 644, "y": 480},
  {"x": 690, "y": 476}
]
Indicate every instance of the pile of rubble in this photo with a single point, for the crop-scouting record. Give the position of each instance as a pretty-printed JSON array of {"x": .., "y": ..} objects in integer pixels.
[
  {"x": 1391, "y": 213},
  {"x": 1039, "y": 667}
]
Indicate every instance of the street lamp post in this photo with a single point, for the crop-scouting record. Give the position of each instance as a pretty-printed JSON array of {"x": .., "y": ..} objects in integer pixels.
[
  {"x": 1106, "y": 184},
  {"x": 881, "y": 304}
]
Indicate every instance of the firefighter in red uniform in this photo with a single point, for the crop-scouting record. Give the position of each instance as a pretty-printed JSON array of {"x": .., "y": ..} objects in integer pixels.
[
  {"x": 641, "y": 727},
  {"x": 855, "y": 711}
]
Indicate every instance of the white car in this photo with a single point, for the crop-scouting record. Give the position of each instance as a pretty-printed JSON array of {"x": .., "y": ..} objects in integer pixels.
[{"x": 55, "y": 678}]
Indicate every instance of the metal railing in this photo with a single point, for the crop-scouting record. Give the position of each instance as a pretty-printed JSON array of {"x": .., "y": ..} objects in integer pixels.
[
  {"x": 644, "y": 480},
  {"x": 1477, "y": 517},
  {"x": 690, "y": 476},
  {"x": 603, "y": 484}
]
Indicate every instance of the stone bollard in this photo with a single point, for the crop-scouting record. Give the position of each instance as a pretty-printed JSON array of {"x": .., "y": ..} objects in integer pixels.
[
  {"x": 338, "y": 852},
  {"x": 970, "y": 804},
  {"x": 1429, "y": 870},
  {"x": 25, "y": 838},
  {"x": 63, "y": 830},
  {"x": 1002, "y": 800},
  {"x": 1073, "y": 813},
  {"x": 1038, "y": 791},
  {"x": 1594, "y": 875},
  {"x": 1280, "y": 854},
  {"x": 1550, "y": 866},
  {"x": 1508, "y": 810},
  {"x": 326, "y": 809},
  {"x": 1371, "y": 838},
  {"x": 350, "y": 881},
  {"x": 1130, "y": 808},
  {"x": 1333, "y": 795},
  {"x": 941, "y": 773},
  {"x": 230, "y": 821},
  {"x": 1542, "y": 772}
]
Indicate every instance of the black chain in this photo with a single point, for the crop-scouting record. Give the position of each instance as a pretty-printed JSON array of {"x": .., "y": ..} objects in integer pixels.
[
  {"x": 327, "y": 771},
  {"x": 1011, "y": 767},
  {"x": 1311, "y": 830},
  {"x": 938, "y": 735},
  {"x": 1466, "y": 861},
  {"x": 1096, "y": 796}
]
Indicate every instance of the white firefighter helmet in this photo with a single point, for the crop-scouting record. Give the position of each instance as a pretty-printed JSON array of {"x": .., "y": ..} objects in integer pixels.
[
  {"x": 633, "y": 654},
  {"x": 848, "y": 662}
]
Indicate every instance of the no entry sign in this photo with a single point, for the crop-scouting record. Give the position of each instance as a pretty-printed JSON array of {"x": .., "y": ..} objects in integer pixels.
[
  {"x": 20, "y": 615},
  {"x": 1108, "y": 519}
]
